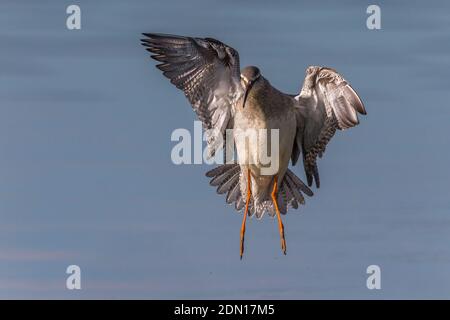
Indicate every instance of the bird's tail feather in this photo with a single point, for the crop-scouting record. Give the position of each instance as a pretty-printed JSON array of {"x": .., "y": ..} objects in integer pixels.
[
  {"x": 292, "y": 190},
  {"x": 226, "y": 179}
]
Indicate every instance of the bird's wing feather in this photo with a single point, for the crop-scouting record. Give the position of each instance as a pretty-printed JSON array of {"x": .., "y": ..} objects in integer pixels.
[
  {"x": 207, "y": 71},
  {"x": 326, "y": 103}
]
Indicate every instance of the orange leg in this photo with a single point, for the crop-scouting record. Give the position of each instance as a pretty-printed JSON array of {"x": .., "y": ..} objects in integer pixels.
[
  {"x": 280, "y": 223},
  {"x": 247, "y": 202}
]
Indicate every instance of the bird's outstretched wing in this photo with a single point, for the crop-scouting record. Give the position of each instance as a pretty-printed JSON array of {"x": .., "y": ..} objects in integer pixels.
[
  {"x": 208, "y": 72},
  {"x": 326, "y": 103}
]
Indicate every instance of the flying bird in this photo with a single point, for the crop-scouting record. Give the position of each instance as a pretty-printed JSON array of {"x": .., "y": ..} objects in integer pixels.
[{"x": 226, "y": 97}]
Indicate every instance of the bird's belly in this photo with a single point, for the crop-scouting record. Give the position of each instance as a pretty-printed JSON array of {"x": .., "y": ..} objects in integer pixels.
[
  {"x": 264, "y": 144},
  {"x": 259, "y": 150}
]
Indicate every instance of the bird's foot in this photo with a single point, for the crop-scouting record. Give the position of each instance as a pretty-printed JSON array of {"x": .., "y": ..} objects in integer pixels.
[
  {"x": 283, "y": 240},
  {"x": 242, "y": 246},
  {"x": 283, "y": 245}
]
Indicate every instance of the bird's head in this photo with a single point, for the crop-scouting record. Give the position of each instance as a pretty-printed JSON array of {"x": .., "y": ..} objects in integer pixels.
[{"x": 249, "y": 76}]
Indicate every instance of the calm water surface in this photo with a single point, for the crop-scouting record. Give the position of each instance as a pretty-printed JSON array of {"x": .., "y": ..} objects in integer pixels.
[{"x": 86, "y": 176}]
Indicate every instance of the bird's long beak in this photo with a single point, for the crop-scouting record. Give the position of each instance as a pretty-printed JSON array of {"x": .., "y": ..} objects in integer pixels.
[{"x": 247, "y": 90}]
